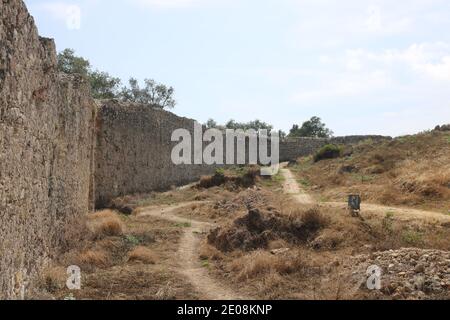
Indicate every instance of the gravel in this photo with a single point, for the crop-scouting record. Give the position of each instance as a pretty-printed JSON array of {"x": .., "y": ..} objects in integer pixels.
[{"x": 408, "y": 273}]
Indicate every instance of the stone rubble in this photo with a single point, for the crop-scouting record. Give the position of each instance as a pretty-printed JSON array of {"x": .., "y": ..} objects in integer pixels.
[{"x": 408, "y": 273}]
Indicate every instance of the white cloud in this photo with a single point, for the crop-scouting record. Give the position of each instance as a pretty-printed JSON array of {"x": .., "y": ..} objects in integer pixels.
[
  {"x": 70, "y": 14},
  {"x": 431, "y": 60},
  {"x": 330, "y": 24},
  {"x": 417, "y": 69},
  {"x": 353, "y": 60},
  {"x": 325, "y": 59},
  {"x": 344, "y": 86}
]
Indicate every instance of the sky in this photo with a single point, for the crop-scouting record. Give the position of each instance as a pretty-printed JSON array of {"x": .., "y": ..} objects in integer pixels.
[{"x": 364, "y": 67}]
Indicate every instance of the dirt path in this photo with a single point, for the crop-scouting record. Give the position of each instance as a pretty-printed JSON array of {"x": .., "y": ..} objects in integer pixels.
[
  {"x": 188, "y": 253},
  {"x": 291, "y": 186}
]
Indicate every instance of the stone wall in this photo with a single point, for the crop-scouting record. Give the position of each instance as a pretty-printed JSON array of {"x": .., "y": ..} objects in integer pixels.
[
  {"x": 356, "y": 139},
  {"x": 293, "y": 148},
  {"x": 134, "y": 148},
  {"x": 46, "y": 145}
]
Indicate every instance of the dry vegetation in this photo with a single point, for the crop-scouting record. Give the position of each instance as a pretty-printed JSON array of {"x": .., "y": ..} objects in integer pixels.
[
  {"x": 121, "y": 257},
  {"x": 232, "y": 179},
  {"x": 411, "y": 171},
  {"x": 142, "y": 254},
  {"x": 266, "y": 245},
  {"x": 257, "y": 228},
  {"x": 222, "y": 183},
  {"x": 275, "y": 248},
  {"x": 105, "y": 223}
]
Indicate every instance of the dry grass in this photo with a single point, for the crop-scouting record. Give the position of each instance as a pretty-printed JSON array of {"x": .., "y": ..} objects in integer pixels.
[
  {"x": 108, "y": 272},
  {"x": 420, "y": 179},
  {"x": 260, "y": 263},
  {"x": 232, "y": 178},
  {"x": 262, "y": 224},
  {"x": 208, "y": 252},
  {"x": 166, "y": 292},
  {"x": 106, "y": 223},
  {"x": 278, "y": 244},
  {"x": 52, "y": 279},
  {"x": 312, "y": 219},
  {"x": 76, "y": 234},
  {"x": 207, "y": 182},
  {"x": 142, "y": 254},
  {"x": 407, "y": 171},
  {"x": 281, "y": 275},
  {"x": 105, "y": 260},
  {"x": 314, "y": 237},
  {"x": 93, "y": 258}
]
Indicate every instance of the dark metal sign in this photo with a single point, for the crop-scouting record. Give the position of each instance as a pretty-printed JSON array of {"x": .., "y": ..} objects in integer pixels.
[{"x": 354, "y": 203}]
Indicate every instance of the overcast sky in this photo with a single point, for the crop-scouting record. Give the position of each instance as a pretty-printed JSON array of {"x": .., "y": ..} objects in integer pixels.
[{"x": 364, "y": 67}]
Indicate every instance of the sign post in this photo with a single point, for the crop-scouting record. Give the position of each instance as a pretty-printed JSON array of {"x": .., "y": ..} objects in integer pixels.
[{"x": 354, "y": 204}]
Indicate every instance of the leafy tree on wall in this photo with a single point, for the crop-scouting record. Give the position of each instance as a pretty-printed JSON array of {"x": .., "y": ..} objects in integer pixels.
[
  {"x": 281, "y": 134},
  {"x": 69, "y": 63},
  {"x": 155, "y": 94},
  {"x": 256, "y": 125},
  {"x": 212, "y": 124},
  {"x": 105, "y": 86}
]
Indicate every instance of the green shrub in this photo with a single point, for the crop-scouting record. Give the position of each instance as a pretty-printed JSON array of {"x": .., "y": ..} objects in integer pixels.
[
  {"x": 412, "y": 237},
  {"x": 133, "y": 240},
  {"x": 387, "y": 223},
  {"x": 183, "y": 225},
  {"x": 329, "y": 151},
  {"x": 220, "y": 172}
]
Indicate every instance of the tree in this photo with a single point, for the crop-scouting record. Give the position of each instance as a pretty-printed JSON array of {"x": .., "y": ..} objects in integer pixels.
[
  {"x": 103, "y": 86},
  {"x": 69, "y": 63},
  {"x": 256, "y": 125},
  {"x": 211, "y": 123},
  {"x": 155, "y": 94},
  {"x": 311, "y": 128},
  {"x": 231, "y": 125}
]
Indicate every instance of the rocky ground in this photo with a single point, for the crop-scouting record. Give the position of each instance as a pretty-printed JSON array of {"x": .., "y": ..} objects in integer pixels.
[{"x": 408, "y": 273}]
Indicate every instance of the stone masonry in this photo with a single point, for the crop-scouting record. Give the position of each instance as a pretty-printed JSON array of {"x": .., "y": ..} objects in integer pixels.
[
  {"x": 133, "y": 153},
  {"x": 133, "y": 150},
  {"x": 46, "y": 136}
]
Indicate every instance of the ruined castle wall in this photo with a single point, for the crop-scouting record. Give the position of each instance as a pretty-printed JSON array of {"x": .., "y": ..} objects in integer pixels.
[
  {"x": 134, "y": 147},
  {"x": 134, "y": 150},
  {"x": 293, "y": 148},
  {"x": 46, "y": 145},
  {"x": 346, "y": 140}
]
